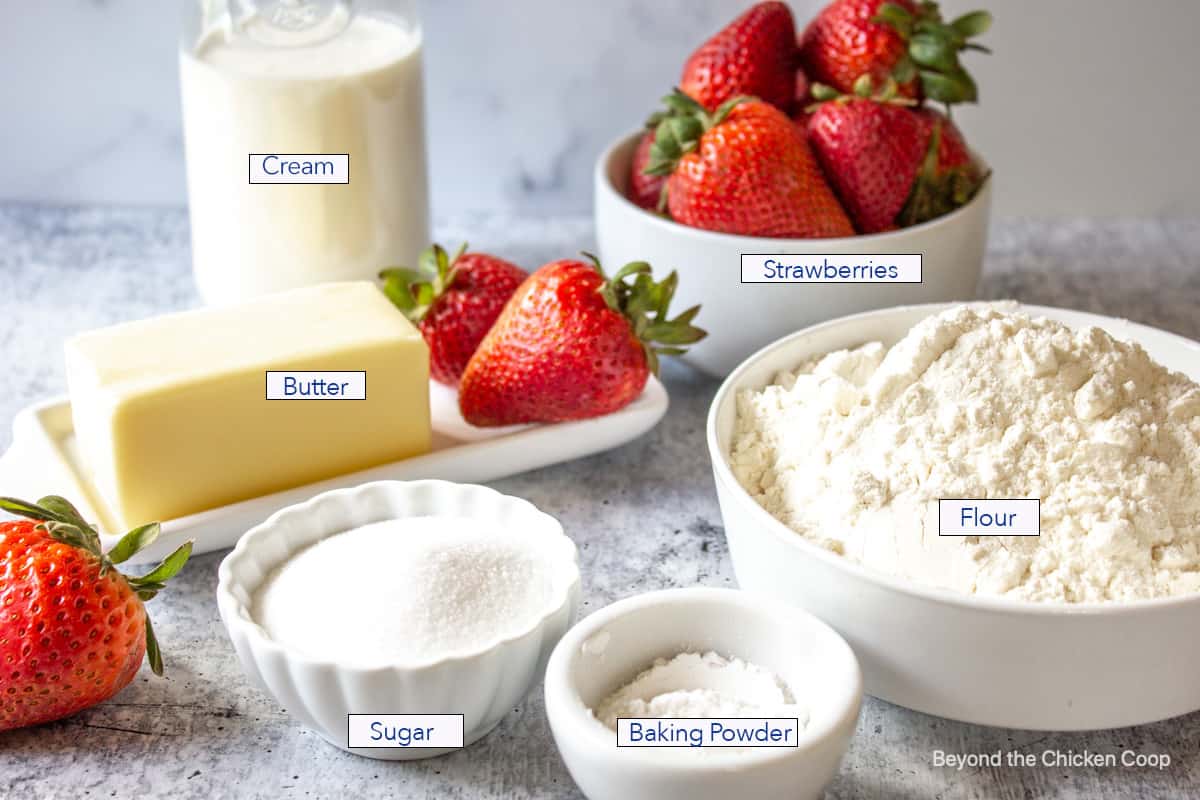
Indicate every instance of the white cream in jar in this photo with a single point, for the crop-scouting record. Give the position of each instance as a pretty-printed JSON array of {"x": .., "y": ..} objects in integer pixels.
[{"x": 352, "y": 87}]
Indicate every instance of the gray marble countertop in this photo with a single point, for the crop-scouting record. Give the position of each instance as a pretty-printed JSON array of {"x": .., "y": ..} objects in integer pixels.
[{"x": 204, "y": 732}]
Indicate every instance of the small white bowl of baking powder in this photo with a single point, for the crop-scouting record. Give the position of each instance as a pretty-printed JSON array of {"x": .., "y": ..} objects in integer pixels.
[
  {"x": 400, "y": 598},
  {"x": 714, "y": 654}
]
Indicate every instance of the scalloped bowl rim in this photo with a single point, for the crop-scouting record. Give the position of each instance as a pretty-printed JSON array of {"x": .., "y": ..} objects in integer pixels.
[
  {"x": 764, "y": 520},
  {"x": 240, "y": 614},
  {"x": 602, "y": 180}
]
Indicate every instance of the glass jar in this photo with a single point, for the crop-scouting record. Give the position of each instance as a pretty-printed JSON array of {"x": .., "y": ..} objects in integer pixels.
[{"x": 304, "y": 130}]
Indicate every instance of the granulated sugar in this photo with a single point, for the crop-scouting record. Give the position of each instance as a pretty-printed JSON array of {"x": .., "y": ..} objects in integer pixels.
[
  {"x": 854, "y": 449},
  {"x": 404, "y": 591}
]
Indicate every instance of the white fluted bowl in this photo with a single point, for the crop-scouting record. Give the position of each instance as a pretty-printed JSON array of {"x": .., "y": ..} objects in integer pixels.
[{"x": 482, "y": 686}]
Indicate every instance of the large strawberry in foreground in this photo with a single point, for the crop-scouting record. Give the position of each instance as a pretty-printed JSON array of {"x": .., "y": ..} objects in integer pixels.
[
  {"x": 753, "y": 55},
  {"x": 73, "y": 630},
  {"x": 573, "y": 343},
  {"x": 454, "y": 301},
  {"x": 891, "y": 164},
  {"x": 906, "y": 40},
  {"x": 745, "y": 169}
]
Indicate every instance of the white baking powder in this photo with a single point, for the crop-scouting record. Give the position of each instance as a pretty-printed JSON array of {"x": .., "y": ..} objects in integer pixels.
[
  {"x": 706, "y": 685},
  {"x": 406, "y": 590},
  {"x": 854, "y": 449}
]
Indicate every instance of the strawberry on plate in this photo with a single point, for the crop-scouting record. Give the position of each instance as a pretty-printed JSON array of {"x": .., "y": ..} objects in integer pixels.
[
  {"x": 892, "y": 165},
  {"x": 73, "y": 630},
  {"x": 744, "y": 169},
  {"x": 906, "y": 40},
  {"x": 454, "y": 301},
  {"x": 573, "y": 344},
  {"x": 753, "y": 55}
]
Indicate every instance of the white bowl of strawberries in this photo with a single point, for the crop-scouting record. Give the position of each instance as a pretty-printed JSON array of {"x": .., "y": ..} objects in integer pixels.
[{"x": 825, "y": 169}]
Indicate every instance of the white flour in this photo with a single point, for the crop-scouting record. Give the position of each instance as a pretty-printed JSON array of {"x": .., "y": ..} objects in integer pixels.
[
  {"x": 406, "y": 590},
  {"x": 854, "y": 449},
  {"x": 707, "y": 685}
]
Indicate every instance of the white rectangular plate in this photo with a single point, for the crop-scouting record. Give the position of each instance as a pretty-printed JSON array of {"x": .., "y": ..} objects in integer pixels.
[{"x": 44, "y": 460}]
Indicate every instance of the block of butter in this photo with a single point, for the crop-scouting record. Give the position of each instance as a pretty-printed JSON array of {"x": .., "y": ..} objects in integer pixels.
[{"x": 171, "y": 413}]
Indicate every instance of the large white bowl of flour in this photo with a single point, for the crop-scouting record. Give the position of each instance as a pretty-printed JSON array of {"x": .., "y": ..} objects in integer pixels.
[{"x": 1092, "y": 625}]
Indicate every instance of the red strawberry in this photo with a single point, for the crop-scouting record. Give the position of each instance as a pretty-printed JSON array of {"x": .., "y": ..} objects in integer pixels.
[
  {"x": 573, "y": 344},
  {"x": 753, "y": 55},
  {"x": 72, "y": 629},
  {"x": 645, "y": 190},
  {"x": 903, "y": 39},
  {"x": 803, "y": 86},
  {"x": 745, "y": 169},
  {"x": 891, "y": 164},
  {"x": 454, "y": 301},
  {"x": 800, "y": 112}
]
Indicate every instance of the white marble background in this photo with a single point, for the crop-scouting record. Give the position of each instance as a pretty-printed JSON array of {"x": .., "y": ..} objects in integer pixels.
[{"x": 1089, "y": 105}]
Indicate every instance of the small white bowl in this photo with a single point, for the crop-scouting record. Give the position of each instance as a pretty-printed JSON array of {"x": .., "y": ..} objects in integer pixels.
[
  {"x": 985, "y": 660},
  {"x": 741, "y": 318},
  {"x": 483, "y": 686},
  {"x": 610, "y": 647}
]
